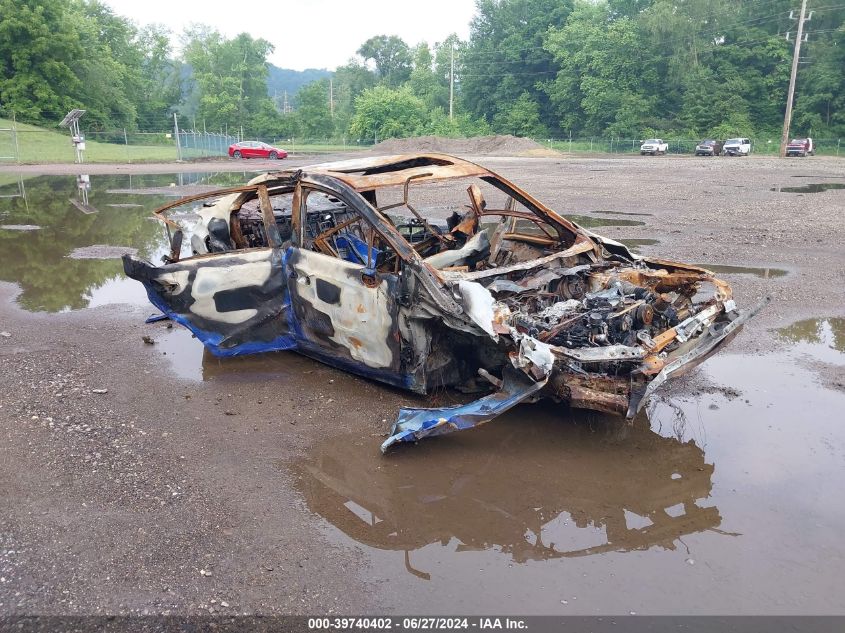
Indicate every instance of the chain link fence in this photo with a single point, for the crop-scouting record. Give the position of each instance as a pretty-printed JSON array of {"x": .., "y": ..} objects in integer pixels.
[
  {"x": 25, "y": 144},
  {"x": 678, "y": 146}
]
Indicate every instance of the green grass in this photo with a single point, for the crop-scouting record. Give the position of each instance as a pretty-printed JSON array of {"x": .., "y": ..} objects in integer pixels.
[{"x": 40, "y": 145}]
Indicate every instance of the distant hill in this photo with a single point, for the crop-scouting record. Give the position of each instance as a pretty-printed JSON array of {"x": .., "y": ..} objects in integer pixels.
[{"x": 281, "y": 79}]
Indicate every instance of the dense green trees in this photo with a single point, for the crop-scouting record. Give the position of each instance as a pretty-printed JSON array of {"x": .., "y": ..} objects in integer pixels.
[
  {"x": 230, "y": 77},
  {"x": 697, "y": 67},
  {"x": 38, "y": 46},
  {"x": 628, "y": 68},
  {"x": 60, "y": 54}
]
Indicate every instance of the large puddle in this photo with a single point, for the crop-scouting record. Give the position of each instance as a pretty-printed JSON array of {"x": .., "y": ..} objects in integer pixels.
[
  {"x": 725, "y": 500},
  {"x": 100, "y": 219}
]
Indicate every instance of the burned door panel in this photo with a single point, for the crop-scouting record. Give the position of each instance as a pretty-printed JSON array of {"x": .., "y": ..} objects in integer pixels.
[
  {"x": 339, "y": 315},
  {"x": 235, "y": 302}
]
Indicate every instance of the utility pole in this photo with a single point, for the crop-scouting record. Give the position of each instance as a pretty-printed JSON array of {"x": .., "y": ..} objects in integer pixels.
[
  {"x": 286, "y": 107},
  {"x": 452, "y": 83},
  {"x": 787, "y": 117},
  {"x": 331, "y": 96}
]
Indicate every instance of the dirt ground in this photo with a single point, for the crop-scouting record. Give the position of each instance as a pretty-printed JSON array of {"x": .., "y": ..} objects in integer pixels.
[{"x": 129, "y": 486}]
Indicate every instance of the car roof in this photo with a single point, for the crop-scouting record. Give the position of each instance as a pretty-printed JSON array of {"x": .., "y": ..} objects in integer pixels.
[{"x": 365, "y": 174}]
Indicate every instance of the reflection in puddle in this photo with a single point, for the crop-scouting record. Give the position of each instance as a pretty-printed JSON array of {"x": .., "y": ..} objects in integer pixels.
[
  {"x": 189, "y": 360},
  {"x": 818, "y": 336},
  {"x": 101, "y": 251},
  {"x": 532, "y": 485},
  {"x": 812, "y": 188},
  {"x": 38, "y": 260},
  {"x": 764, "y": 273},
  {"x": 547, "y": 504}
]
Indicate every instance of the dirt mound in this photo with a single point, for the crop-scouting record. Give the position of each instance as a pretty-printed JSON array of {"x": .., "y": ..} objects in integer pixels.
[{"x": 498, "y": 145}]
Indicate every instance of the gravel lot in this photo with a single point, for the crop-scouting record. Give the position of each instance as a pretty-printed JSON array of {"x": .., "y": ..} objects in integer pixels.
[{"x": 127, "y": 489}]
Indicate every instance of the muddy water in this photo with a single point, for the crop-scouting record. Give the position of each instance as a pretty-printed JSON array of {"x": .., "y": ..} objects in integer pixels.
[
  {"x": 107, "y": 218},
  {"x": 817, "y": 337},
  {"x": 811, "y": 188},
  {"x": 762, "y": 272},
  {"x": 589, "y": 221},
  {"x": 622, "y": 213},
  {"x": 186, "y": 357},
  {"x": 635, "y": 243},
  {"x": 724, "y": 501}
]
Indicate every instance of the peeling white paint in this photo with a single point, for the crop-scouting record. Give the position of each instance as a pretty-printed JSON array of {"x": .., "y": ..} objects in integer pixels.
[
  {"x": 247, "y": 269},
  {"x": 176, "y": 281},
  {"x": 361, "y": 319}
]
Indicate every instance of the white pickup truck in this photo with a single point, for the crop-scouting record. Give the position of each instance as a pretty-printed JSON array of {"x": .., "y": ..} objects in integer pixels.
[
  {"x": 654, "y": 146},
  {"x": 737, "y": 147}
]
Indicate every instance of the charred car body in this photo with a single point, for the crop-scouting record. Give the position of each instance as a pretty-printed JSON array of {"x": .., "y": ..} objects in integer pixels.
[{"x": 359, "y": 264}]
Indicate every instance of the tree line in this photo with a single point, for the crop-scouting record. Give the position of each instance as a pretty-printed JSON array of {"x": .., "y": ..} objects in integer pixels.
[{"x": 541, "y": 68}]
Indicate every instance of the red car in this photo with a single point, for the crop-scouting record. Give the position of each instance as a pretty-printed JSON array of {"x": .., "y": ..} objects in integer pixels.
[{"x": 256, "y": 149}]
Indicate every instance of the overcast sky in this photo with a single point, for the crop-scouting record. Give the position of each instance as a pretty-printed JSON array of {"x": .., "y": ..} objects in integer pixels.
[{"x": 310, "y": 33}]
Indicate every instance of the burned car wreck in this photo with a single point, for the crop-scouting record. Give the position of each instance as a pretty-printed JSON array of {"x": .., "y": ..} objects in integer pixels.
[{"x": 426, "y": 271}]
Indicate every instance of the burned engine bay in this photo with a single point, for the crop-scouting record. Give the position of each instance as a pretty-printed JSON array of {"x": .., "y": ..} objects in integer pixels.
[{"x": 395, "y": 269}]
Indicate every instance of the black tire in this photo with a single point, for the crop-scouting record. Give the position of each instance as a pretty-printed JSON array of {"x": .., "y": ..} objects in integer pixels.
[
  {"x": 273, "y": 155},
  {"x": 236, "y": 154}
]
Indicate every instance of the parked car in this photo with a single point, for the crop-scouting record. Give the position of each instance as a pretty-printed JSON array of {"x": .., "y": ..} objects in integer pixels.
[
  {"x": 800, "y": 147},
  {"x": 422, "y": 293},
  {"x": 654, "y": 146},
  {"x": 709, "y": 147},
  {"x": 256, "y": 149},
  {"x": 737, "y": 147}
]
